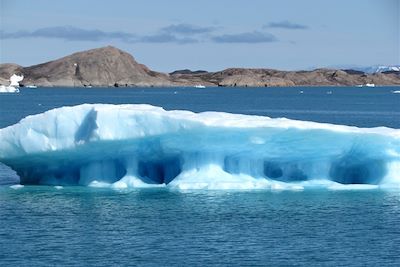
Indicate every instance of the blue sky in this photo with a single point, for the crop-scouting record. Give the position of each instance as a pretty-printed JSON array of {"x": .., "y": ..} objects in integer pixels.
[{"x": 207, "y": 34}]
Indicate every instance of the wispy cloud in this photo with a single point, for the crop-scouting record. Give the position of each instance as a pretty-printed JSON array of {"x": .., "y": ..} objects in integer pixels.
[
  {"x": 166, "y": 38},
  {"x": 158, "y": 38},
  {"x": 245, "y": 37},
  {"x": 187, "y": 29},
  {"x": 286, "y": 25},
  {"x": 70, "y": 33},
  {"x": 176, "y": 33}
]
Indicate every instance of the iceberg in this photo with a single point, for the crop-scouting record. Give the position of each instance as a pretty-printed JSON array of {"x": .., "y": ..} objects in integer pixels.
[
  {"x": 8, "y": 89},
  {"x": 135, "y": 146},
  {"x": 14, "y": 84},
  {"x": 15, "y": 79}
]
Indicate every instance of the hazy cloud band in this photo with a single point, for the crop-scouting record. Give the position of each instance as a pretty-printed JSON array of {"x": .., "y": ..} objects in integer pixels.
[
  {"x": 286, "y": 25},
  {"x": 176, "y": 33}
]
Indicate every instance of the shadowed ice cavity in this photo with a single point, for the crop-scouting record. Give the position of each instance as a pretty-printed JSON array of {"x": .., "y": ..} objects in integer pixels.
[
  {"x": 160, "y": 171},
  {"x": 355, "y": 168},
  {"x": 155, "y": 166},
  {"x": 285, "y": 172}
]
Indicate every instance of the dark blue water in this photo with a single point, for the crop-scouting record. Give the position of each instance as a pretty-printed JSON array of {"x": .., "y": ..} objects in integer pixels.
[
  {"x": 364, "y": 107},
  {"x": 45, "y": 226}
]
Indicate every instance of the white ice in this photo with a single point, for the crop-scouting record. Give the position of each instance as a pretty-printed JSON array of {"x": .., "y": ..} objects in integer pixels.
[
  {"x": 136, "y": 146},
  {"x": 14, "y": 84}
]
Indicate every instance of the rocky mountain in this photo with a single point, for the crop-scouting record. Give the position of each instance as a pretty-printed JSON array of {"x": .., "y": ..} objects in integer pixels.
[
  {"x": 269, "y": 77},
  {"x": 109, "y": 66}
]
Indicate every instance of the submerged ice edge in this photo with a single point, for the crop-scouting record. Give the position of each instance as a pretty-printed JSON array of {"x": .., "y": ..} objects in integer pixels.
[
  {"x": 242, "y": 183},
  {"x": 137, "y": 146},
  {"x": 269, "y": 186}
]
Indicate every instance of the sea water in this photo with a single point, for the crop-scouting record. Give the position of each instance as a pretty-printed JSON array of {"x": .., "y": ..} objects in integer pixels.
[{"x": 73, "y": 225}]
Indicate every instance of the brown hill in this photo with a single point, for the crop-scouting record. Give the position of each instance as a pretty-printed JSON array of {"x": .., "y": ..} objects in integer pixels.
[{"x": 107, "y": 66}]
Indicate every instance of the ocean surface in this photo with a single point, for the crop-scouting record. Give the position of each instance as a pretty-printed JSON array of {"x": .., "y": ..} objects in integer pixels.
[{"x": 83, "y": 226}]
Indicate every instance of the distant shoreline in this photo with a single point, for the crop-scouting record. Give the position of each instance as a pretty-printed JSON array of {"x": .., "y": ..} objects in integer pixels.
[
  {"x": 111, "y": 67},
  {"x": 209, "y": 87}
]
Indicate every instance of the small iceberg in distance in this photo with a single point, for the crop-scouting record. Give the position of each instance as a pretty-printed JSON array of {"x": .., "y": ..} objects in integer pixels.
[
  {"x": 8, "y": 89},
  {"x": 15, "y": 79},
  {"x": 366, "y": 85},
  {"x": 14, "y": 84},
  {"x": 139, "y": 146},
  {"x": 199, "y": 86},
  {"x": 396, "y": 92}
]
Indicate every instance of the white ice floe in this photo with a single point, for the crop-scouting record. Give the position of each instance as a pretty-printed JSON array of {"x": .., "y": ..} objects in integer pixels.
[{"x": 14, "y": 84}]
